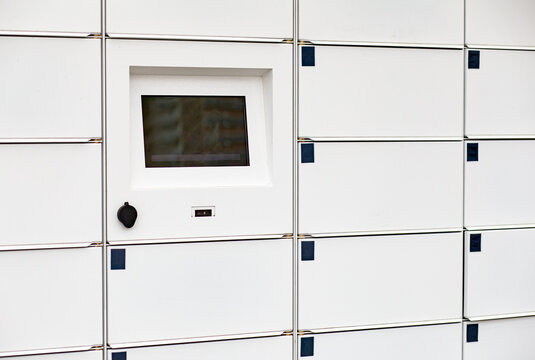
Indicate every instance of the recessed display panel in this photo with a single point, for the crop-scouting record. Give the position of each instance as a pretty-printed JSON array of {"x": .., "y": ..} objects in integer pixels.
[{"x": 194, "y": 131}]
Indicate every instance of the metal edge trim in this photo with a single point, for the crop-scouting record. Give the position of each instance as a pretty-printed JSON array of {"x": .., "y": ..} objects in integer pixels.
[
  {"x": 60, "y": 34},
  {"x": 380, "y": 139},
  {"x": 383, "y": 326},
  {"x": 383, "y": 44},
  {"x": 97, "y": 140},
  {"x": 501, "y": 317},
  {"x": 385, "y": 233},
  {"x": 195, "y": 239},
  {"x": 500, "y": 47},
  {"x": 51, "y": 351},
  {"x": 499, "y": 227},
  {"x": 55, "y": 246},
  {"x": 127, "y": 36}
]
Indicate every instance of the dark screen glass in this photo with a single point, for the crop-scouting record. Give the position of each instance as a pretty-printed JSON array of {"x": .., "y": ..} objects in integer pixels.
[{"x": 193, "y": 131}]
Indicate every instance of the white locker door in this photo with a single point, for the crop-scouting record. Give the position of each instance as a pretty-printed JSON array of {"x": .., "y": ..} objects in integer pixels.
[
  {"x": 500, "y": 93},
  {"x": 50, "y": 299},
  {"x": 199, "y": 289},
  {"x": 362, "y": 92},
  {"x": 81, "y": 16},
  {"x": 380, "y": 186},
  {"x": 223, "y": 18},
  {"x": 274, "y": 348},
  {"x": 84, "y": 355},
  {"x": 500, "y": 339},
  {"x": 51, "y": 193},
  {"x": 383, "y": 21},
  {"x": 499, "y": 273},
  {"x": 500, "y": 22},
  {"x": 199, "y": 139},
  {"x": 378, "y": 280},
  {"x": 437, "y": 342},
  {"x": 50, "y": 87},
  {"x": 499, "y": 183}
]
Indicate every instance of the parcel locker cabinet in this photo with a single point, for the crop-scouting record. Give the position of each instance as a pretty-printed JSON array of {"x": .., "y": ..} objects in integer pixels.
[
  {"x": 51, "y": 193},
  {"x": 438, "y": 342},
  {"x": 499, "y": 182},
  {"x": 364, "y": 92},
  {"x": 201, "y": 18},
  {"x": 50, "y": 87},
  {"x": 50, "y": 299},
  {"x": 271, "y": 348},
  {"x": 187, "y": 290},
  {"x": 499, "y": 339},
  {"x": 500, "y": 22},
  {"x": 383, "y": 21},
  {"x": 199, "y": 139},
  {"x": 499, "y": 273},
  {"x": 83, "y": 355},
  {"x": 377, "y": 280},
  {"x": 500, "y": 88},
  {"x": 380, "y": 186},
  {"x": 82, "y": 16}
]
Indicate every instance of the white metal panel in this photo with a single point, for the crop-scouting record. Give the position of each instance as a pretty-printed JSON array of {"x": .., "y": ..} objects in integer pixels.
[
  {"x": 499, "y": 187},
  {"x": 500, "y": 22},
  {"x": 438, "y": 342},
  {"x": 386, "y": 21},
  {"x": 381, "y": 186},
  {"x": 502, "y": 339},
  {"x": 201, "y": 289},
  {"x": 499, "y": 95},
  {"x": 275, "y": 348},
  {"x": 248, "y": 200},
  {"x": 50, "y": 299},
  {"x": 50, "y": 15},
  {"x": 241, "y": 18},
  {"x": 499, "y": 279},
  {"x": 51, "y": 193},
  {"x": 377, "y": 280},
  {"x": 50, "y": 87},
  {"x": 84, "y": 355},
  {"x": 364, "y": 92}
]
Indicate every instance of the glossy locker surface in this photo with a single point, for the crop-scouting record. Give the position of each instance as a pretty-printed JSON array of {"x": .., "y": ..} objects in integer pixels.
[
  {"x": 246, "y": 200},
  {"x": 499, "y": 186},
  {"x": 50, "y": 87},
  {"x": 85, "y": 355},
  {"x": 51, "y": 193},
  {"x": 384, "y": 21},
  {"x": 362, "y": 92},
  {"x": 499, "y": 95},
  {"x": 502, "y": 339},
  {"x": 275, "y": 348},
  {"x": 50, "y": 15},
  {"x": 51, "y": 299},
  {"x": 377, "y": 280},
  {"x": 440, "y": 342},
  {"x": 500, "y": 22},
  {"x": 224, "y": 18},
  {"x": 201, "y": 289},
  {"x": 381, "y": 186},
  {"x": 499, "y": 277}
]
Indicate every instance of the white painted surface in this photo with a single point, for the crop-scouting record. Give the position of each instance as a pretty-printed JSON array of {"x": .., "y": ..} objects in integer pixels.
[
  {"x": 242, "y": 18},
  {"x": 249, "y": 200},
  {"x": 201, "y": 289},
  {"x": 499, "y": 279},
  {"x": 502, "y": 339},
  {"x": 50, "y": 15},
  {"x": 500, "y": 22},
  {"x": 279, "y": 348},
  {"x": 499, "y": 95},
  {"x": 85, "y": 355},
  {"x": 364, "y": 92},
  {"x": 381, "y": 186},
  {"x": 50, "y": 87},
  {"x": 50, "y": 193},
  {"x": 390, "y": 21},
  {"x": 50, "y": 299},
  {"x": 499, "y": 187},
  {"x": 440, "y": 342},
  {"x": 374, "y": 280}
]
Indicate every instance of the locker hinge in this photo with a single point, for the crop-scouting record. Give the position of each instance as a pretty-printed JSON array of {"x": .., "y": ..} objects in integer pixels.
[
  {"x": 95, "y": 35},
  {"x": 305, "y": 42},
  {"x": 288, "y": 41},
  {"x": 287, "y": 236},
  {"x": 288, "y": 333},
  {"x": 95, "y": 140},
  {"x": 96, "y": 244},
  {"x": 302, "y": 236},
  {"x": 97, "y": 347},
  {"x": 304, "y": 332}
]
